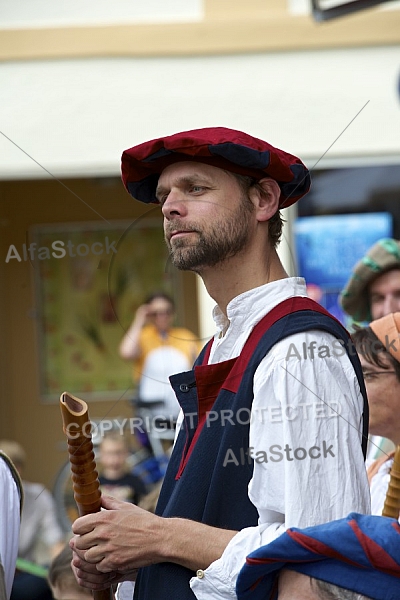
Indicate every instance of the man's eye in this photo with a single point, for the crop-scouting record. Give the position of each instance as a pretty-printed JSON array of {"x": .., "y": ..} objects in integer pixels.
[
  {"x": 369, "y": 376},
  {"x": 197, "y": 188}
]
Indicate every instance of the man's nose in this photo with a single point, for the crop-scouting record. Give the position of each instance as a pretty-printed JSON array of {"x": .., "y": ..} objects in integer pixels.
[{"x": 175, "y": 204}]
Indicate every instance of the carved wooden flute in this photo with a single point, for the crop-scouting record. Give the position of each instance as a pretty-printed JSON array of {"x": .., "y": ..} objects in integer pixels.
[
  {"x": 391, "y": 507},
  {"x": 76, "y": 425}
]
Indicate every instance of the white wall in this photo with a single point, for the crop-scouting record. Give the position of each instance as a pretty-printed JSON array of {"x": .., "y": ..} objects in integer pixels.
[
  {"x": 76, "y": 116},
  {"x": 50, "y": 13}
]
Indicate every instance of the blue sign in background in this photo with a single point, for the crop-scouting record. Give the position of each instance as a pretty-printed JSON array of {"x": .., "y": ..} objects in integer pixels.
[{"x": 329, "y": 246}]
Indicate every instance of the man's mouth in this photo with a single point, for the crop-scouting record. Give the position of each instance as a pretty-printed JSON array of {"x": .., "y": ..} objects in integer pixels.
[{"x": 179, "y": 233}]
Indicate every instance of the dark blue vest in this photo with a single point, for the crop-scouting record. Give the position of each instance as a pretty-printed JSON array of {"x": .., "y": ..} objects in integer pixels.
[{"x": 200, "y": 483}]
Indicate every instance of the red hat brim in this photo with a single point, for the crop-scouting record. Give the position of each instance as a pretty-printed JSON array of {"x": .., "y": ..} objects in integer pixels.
[{"x": 227, "y": 149}]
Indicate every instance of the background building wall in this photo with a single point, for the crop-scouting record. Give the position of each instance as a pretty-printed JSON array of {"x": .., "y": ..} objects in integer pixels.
[{"x": 23, "y": 415}]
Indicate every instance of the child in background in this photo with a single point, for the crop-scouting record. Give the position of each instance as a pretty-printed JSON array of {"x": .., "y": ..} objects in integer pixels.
[
  {"x": 115, "y": 477},
  {"x": 62, "y": 579}
]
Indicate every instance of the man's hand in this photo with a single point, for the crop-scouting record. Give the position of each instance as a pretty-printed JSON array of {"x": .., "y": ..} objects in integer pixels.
[
  {"x": 110, "y": 545},
  {"x": 89, "y": 577},
  {"x": 119, "y": 539}
]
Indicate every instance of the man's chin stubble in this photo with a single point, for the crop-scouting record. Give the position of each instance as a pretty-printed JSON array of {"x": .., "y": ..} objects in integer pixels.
[
  {"x": 185, "y": 263},
  {"x": 184, "y": 258}
]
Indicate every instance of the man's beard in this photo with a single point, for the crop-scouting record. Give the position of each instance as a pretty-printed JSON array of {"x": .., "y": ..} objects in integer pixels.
[{"x": 217, "y": 242}]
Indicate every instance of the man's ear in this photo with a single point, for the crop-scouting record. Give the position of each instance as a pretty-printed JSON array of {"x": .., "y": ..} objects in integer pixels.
[{"x": 265, "y": 197}]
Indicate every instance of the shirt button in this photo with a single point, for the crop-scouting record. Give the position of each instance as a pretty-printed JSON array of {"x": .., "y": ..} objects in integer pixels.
[
  {"x": 184, "y": 387},
  {"x": 200, "y": 573}
]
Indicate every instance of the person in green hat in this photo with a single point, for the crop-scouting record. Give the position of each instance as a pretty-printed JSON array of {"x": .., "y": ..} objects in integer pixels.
[{"x": 373, "y": 290}]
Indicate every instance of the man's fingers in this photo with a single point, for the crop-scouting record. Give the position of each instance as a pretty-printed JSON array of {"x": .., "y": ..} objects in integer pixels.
[
  {"x": 88, "y": 576},
  {"x": 88, "y": 523},
  {"x": 111, "y": 503},
  {"x": 92, "y": 583},
  {"x": 102, "y": 568},
  {"x": 84, "y": 565},
  {"x": 80, "y": 547},
  {"x": 84, "y": 524},
  {"x": 88, "y": 559}
]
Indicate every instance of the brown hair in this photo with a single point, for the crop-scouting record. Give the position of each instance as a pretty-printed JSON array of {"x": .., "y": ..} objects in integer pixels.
[
  {"x": 275, "y": 223},
  {"x": 371, "y": 348},
  {"x": 162, "y": 295},
  {"x": 116, "y": 436},
  {"x": 60, "y": 572}
]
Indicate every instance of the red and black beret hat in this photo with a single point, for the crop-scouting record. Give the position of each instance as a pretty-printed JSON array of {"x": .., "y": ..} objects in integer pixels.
[
  {"x": 227, "y": 149},
  {"x": 360, "y": 553}
]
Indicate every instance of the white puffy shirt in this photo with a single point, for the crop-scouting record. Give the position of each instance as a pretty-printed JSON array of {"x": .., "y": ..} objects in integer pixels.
[
  {"x": 9, "y": 524},
  {"x": 303, "y": 407}
]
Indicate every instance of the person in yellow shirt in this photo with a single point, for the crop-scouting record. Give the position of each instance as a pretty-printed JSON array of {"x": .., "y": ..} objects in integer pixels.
[{"x": 158, "y": 350}]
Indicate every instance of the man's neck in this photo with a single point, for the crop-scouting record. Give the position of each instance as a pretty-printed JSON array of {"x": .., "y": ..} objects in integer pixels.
[{"x": 238, "y": 275}]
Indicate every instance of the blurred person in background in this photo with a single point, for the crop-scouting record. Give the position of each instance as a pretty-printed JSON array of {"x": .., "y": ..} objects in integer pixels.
[
  {"x": 41, "y": 537},
  {"x": 373, "y": 289},
  {"x": 11, "y": 500},
  {"x": 158, "y": 350},
  {"x": 62, "y": 579},
  {"x": 114, "y": 474},
  {"x": 378, "y": 347}
]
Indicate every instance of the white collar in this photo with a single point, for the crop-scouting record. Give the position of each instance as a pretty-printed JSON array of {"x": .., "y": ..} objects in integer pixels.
[{"x": 245, "y": 310}]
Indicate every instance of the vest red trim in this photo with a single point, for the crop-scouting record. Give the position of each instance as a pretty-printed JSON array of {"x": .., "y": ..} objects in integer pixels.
[{"x": 227, "y": 375}]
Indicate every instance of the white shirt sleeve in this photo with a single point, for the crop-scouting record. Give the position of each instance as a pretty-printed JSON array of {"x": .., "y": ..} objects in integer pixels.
[
  {"x": 305, "y": 438},
  {"x": 9, "y": 524}
]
